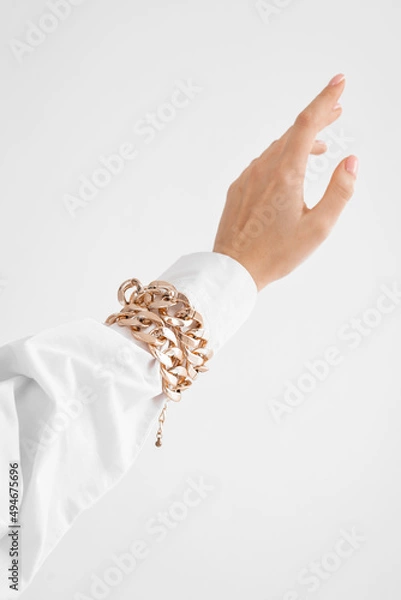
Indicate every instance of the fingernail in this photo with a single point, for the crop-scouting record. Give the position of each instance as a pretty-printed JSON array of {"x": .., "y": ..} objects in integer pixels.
[
  {"x": 351, "y": 165},
  {"x": 337, "y": 106},
  {"x": 337, "y": 79},
  {"x": 320, "y": 142}
]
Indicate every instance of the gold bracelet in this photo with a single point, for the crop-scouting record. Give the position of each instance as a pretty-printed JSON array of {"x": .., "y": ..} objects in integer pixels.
[{"x": 163, "y": 318}]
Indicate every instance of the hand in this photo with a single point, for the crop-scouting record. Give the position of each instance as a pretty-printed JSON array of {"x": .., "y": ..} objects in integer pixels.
[{"x": 265, "y": 224}]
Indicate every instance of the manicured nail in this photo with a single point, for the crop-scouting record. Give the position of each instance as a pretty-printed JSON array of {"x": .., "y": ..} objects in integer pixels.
[
  {"x": 337, "y": 106},
  {"x": 351, "y": 165},
  {"x": 337, "y": 79},
  {"x": 320, "y": 142}
]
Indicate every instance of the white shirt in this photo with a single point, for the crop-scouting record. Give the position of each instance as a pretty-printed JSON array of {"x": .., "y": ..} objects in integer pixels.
[{"x": 78, "y": 401}]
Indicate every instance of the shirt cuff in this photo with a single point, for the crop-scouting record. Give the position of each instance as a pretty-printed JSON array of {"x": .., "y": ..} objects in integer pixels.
[{"x": 219, "y": 287}]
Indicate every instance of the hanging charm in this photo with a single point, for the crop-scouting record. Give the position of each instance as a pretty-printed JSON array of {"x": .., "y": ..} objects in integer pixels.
[{"x": 159, "y": 433}]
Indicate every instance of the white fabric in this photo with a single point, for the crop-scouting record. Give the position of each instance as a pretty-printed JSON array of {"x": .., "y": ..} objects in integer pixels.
[{"x": 78, "y": 401}]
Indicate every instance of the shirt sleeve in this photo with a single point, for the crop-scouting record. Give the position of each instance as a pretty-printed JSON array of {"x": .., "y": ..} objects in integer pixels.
[{"x": 77, "y": 403}]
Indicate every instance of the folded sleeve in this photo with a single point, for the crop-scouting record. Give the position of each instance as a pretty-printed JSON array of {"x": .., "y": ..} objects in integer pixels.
[{"x": 78, "y": 401}]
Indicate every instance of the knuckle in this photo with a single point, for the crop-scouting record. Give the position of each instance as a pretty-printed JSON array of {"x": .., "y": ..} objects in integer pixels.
[
  {"x": 256, "y": 169},
  {"x": 306, "y": 119},
  {"x": 232, "y": 188},
  {"x": 289, "y": 176},
  {"x": 271, "y": 150},
  {"x": 341, "y": 190},
  {"x": 322, "y": 229}
]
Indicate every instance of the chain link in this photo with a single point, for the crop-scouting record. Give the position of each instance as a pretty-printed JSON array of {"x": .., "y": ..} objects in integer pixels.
[{"x": 163, "y": 318}]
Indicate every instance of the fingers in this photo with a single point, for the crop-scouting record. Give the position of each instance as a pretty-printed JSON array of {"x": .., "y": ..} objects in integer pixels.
[
  {"x": 320, "y": 113},
  {"x": 319, "y": 147},
  {"x": 340, "y": 189}
]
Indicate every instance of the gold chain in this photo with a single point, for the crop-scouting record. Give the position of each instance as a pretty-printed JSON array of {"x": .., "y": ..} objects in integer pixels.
[{"x": 163, "y": 318}]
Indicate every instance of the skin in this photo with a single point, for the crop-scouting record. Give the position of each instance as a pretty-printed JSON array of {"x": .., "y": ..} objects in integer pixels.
[{"x": 265, "y": 224}]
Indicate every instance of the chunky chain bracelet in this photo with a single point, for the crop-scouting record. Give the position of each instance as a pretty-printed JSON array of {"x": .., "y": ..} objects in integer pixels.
[{"x": 163, "y": 318}]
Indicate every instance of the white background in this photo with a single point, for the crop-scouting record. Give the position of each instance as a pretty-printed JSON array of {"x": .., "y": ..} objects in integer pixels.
[{"x": 283, "y": 491}]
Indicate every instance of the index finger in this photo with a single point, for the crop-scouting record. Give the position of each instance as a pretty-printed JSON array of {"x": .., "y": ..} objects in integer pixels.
[{"x": 320, "y": 113}]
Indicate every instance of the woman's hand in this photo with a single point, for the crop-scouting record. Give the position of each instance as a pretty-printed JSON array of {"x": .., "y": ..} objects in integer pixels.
[{"x": 265, "y": 224}]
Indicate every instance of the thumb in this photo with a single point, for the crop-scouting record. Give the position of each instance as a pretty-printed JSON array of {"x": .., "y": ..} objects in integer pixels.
[{"x": 337, "y": 194}]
